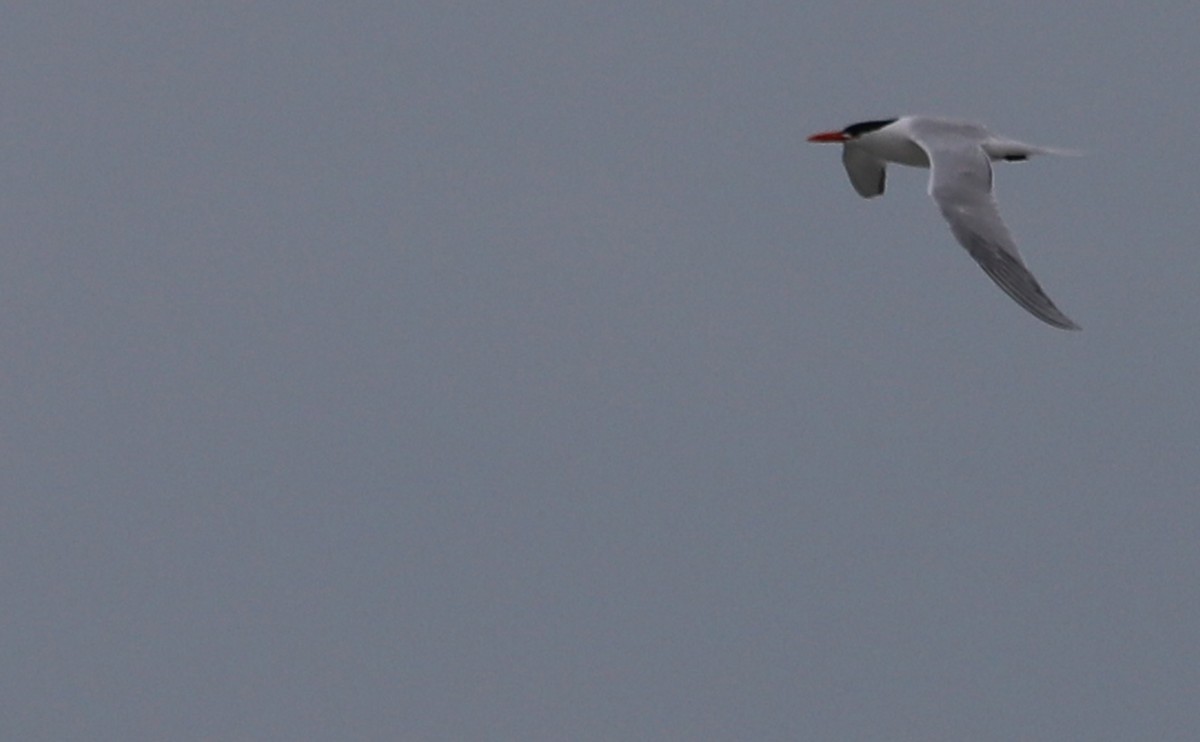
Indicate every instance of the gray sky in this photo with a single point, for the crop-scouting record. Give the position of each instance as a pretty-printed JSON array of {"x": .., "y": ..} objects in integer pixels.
[{"x": 516, "y": 371}]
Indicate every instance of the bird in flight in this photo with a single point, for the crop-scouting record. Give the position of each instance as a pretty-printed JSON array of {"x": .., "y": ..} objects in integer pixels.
[{"x": 959, "y": 155}]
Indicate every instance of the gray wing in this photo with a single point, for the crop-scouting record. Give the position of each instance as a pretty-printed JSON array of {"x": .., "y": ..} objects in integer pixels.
[
  {"x": 960, "y": 182},
  {"x": 867, "y": 173}
]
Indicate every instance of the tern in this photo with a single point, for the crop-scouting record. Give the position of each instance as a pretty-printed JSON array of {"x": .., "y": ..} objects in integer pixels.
[{"x": 959, "y": 155}]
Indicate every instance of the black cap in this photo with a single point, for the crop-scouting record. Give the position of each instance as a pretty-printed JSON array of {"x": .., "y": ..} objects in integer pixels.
[{"x": 865, "y": 127}]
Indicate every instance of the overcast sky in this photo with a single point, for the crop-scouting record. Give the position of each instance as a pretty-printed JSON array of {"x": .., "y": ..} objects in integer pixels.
[{"x": 516, "y": 371}]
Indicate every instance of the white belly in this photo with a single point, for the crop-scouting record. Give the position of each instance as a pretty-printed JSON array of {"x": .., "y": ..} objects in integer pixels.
[{"x": 901, "y": 150}]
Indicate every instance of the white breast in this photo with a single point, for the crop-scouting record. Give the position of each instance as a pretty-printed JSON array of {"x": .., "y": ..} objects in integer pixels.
[{"x": 892, "y": 143}]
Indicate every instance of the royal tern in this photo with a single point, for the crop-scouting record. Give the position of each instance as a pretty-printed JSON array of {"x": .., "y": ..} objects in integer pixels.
[{"x": 959, "y": 156}]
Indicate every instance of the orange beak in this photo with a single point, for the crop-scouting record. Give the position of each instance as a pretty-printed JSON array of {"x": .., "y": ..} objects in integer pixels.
[{"x": 828, "y": 136}]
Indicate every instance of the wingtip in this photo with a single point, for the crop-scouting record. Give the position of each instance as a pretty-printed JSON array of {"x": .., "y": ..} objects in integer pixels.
[
  {"x": 1056, "y": 319},
  {"x": 1047, "y": 313}
]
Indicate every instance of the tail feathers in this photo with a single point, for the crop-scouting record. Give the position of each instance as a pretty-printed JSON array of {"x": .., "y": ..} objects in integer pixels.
[{"x": 1013, "y": 151}]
